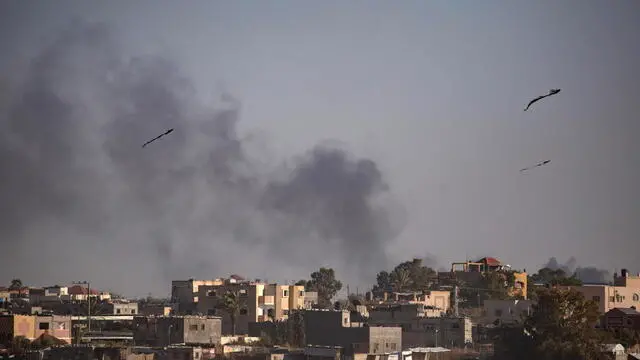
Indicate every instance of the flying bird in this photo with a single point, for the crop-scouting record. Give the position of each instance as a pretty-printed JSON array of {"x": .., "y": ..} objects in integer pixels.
[
  {"x": 536, "y": 165},
  {"x": 157, "y": 137},
  {"x": 551, "y": 92}
]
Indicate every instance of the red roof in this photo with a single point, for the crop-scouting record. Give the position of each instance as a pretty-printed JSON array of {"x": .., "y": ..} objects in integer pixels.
[
  {"x": 236, "y": 277},
  {"x": 81, "y": 290},
  {"x": 490, "y": 261}
]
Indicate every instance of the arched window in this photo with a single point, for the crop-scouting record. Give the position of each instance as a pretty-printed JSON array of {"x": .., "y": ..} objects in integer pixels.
[{"x": 636, "y": 297}]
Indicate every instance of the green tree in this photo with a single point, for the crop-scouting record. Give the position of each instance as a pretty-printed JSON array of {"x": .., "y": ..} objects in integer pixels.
[
  {"x": 383, "y": 282},
  {"x": 16, "y": 284},
  {"x": 561, "y": 326},
  {"x": 549, "y": 276},
  {"x": 325, "y": 283},
  {"x": 230, "y": 303},
  {"x": 406, "y": 276}
]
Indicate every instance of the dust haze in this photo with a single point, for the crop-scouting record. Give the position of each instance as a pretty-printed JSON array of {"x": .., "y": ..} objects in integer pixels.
[
  {"x": 82, "y": 201},
  {"x": 589, "y": 274}
]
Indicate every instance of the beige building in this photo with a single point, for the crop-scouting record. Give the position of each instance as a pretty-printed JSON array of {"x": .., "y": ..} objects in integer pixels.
[
  {"x": 258, "y": 302},
  {"x": 625, "y": 293},
  {"x": 185, "y": 293},
  {"x": 399, "y": 313}
]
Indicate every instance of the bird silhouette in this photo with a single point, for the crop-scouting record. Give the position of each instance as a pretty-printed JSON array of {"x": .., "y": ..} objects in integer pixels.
[
  {"x": 551, "y": 92},
  {"x": 536, "y": 165},
  {"x": 157, "y": 137}
]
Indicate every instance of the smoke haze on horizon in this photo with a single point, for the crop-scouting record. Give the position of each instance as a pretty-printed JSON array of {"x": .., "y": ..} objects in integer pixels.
[
  {"x": 195, "y": 201},
  {"x": 414, "y": 109}
]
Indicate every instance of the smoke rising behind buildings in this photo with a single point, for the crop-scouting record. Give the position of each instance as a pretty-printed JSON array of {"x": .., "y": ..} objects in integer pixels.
[{"x": 81, "y": 198}]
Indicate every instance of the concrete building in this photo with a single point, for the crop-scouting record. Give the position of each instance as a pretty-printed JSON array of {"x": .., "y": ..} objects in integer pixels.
[
  {"x": 436, "y": 300},
  {"x": 258, "y": 302},
  {"x": 168, "y": 330},
  {"x": 625, "y": 293},
  {"x": 184, "y": 293},
  {"x": 121, "y": 308},
  {"x": 621, "y": 318},
  {"x": 506, "y": 311},
  {"x": 385, "y": 313},
  {"x": 335, "y": 328},
  {"x": 434, "y": 332},
  {"x": 471, "y": 272},
  {"x": 32, "y": 327}
]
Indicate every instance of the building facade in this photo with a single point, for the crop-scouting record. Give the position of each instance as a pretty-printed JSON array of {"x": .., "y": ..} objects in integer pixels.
[{"x": 169, "y": 330}]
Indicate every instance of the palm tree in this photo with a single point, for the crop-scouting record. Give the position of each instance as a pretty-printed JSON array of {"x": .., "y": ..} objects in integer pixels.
[
  {"x": 16, "y": 284},
  {"x": 231, "y": 305}
]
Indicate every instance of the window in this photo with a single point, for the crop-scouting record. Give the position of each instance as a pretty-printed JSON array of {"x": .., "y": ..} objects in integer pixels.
[
  {"x": 243, "y": 311},
  {"x": 636, "y": 297},
  {"x": 211, "y": 293},
  {"x": 202, "y": 327},
  {"x": 117, "y": 311},
  {"x": 285, "y": 293},
  {"x": 596, "y": 299},
  {"x": 498, "y": 312},
  {"x": 455, "y": 326},
  {"x": 612, "y": 298},
  {"x": 301, "y": 293},
  {"x": 193, "y": 327},
  {"x": 43, "y": 326},
  {"x": 133, "y": 311}
]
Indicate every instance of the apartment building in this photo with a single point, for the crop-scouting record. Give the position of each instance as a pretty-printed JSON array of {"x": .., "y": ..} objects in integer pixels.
[
  {"x": 625, "y": 293},
  {"x": 258, "y": 302},
  {"x": 121, "y": 308},
  {"x": 336, "y": 328},
  {"x": 433, "y": 332},
  {"x": 167, "y": 330},
  {"x": 184, "y": 293},
  {"x": 33, "y": 326}
]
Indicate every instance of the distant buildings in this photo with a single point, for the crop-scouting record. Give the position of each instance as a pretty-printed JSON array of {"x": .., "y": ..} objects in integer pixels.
[{"x": 625, "y": 293}]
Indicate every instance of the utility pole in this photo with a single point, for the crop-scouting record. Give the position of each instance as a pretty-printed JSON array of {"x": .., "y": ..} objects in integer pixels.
[
  {"x": 88, "y": 302},
  {"x": 455, "y": 300}
]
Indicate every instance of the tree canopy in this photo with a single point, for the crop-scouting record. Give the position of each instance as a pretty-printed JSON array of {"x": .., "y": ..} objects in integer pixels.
[
  {"x": 549, "y": 276},
  {"x": 406, "y": 276},
  {"x": 561, "y": 326},
  {"x": 325, "y": 283}
]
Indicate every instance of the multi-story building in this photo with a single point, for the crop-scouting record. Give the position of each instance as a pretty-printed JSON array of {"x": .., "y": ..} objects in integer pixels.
[
  {"x": 335, "y": 328},
  {"x": 472, "y": 271},
  {"x": 121, "y": 308},
  {"x": 258, "y": 302},
  {"x": 184, "y": 293},
  {"x": 168, "y": 330},
  {"x": 625, "y": 293},
  {"x": 442, "y": 331},
  {"x": 33, "y": 326}
]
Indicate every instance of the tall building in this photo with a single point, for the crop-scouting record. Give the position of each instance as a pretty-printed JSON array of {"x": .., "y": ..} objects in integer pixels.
[{"x": 258, "y": 302}]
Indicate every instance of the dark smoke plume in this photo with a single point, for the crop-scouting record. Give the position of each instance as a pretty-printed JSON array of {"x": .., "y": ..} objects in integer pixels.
[
  {"x": 587, "y": 274},
  {"x": 81, "y": 201}
]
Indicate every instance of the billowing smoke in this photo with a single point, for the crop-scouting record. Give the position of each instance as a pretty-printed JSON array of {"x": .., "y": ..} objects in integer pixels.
[
  {"x": 587, "y": 274},
  {"x": 81, "y": 200}
]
